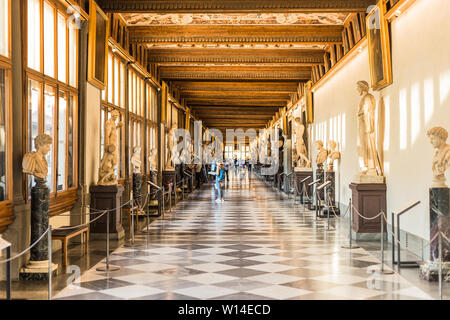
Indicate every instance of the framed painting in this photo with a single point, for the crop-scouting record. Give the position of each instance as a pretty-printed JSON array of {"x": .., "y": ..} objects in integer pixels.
[
  {"x": 98, "y": 46},
  {"x": 379, "y": 47}
]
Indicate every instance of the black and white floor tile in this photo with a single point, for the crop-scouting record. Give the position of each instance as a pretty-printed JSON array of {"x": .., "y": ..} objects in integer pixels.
[{"x": 255, "y": 245}]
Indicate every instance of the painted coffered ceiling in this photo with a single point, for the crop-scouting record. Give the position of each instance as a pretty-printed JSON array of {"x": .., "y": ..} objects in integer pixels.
[{"x": 146, "y": 19}]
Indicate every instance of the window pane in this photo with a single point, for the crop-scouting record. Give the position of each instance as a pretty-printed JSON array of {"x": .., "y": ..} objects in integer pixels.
[
  {"x": 62, "y": 113},
  {"x": 62, "y": 49},
  {"x": 122, "y": 85},
  {"x": 4, "y": 28},
  {"x": 110, "y": 78},
  {"x": 49, "y": 40},
  {"x": 49, "y": 115},
  {"x": 116, "y": 82},
  {"x": 34, "y": 35},
  {"x": 3, "y": 135},
  {"x": 73, "y": 51},
  {"x": 70, "y": 142},
  {"x": 34, "y": 100}
]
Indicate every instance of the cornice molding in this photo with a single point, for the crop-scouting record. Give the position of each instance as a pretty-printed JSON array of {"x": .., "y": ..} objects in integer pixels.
[
  {"x": 143, "y": 39},
  {"x": 233, "y": 59},
  {"x": 243, "y": 75},
  {"x": 188, "y": 6}
]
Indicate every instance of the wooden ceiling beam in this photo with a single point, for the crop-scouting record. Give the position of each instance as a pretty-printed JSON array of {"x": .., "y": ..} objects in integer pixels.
[
  {"x": 291, "y": 57},
  {"x": 233, "y": 6},
  {"x": 237, "y": 34}
]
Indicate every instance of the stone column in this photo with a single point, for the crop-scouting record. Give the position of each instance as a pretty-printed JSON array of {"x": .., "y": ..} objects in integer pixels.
[{"x": 37, "y": 267}]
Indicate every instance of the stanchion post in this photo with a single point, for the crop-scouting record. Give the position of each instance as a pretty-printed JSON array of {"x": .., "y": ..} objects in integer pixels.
[
  {"x": 49, "y": 248},
  {"x": 350, "y": 245},
  {"x": 107, "y": 267},
  {"x": 382, "y": 271},
  {"x": 440, "y": 265},
  {"x": 132, "y": 219},
  {"x": 163, "y": 200}
]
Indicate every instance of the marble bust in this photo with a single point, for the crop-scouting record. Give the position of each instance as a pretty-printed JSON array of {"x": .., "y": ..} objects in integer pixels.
[
  {"x": 34, "y": 163},
  {"x": 333, "y": 154},
  {"x": 366, "y": 132},
  {"x": 107, "y": 175},
  {"x": 136, "y": 159},
  {"x": 441, "y": 161},
  {"x": 321, "y": 155},
  {"x": 302, "y": 154}
]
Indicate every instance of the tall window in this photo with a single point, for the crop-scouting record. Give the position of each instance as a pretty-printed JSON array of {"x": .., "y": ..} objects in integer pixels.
[
  {"x": 136, "y": 112},
  {"x": 113, "y": 98},
  {"x": 4, "y": 27},
  {"x": 5, "y": 106},
  {"x": 151, "y": 119},
  {"x": 52, "y": 94}
]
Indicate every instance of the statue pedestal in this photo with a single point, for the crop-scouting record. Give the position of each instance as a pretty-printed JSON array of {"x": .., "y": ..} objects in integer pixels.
[
  {"x": 137, "y": 188},
  {"x": 37, "y": 267},
  {"x": 299, "y": 175},
  {"x": 319, "y": 195},
  {"x": 330, "y": 195},
  {"x": 369, "y": 199},
  {"x": 106, "y": 198},
  {"x": 439, "y": 222}
]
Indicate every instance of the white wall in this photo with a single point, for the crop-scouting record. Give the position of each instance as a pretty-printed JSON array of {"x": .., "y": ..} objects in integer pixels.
[{"x": 418, "y": 100}]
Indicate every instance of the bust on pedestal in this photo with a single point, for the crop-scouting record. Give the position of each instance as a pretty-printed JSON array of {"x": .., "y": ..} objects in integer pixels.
[
  {"x": 34, "y": 163},
  {"x": 320, "y": 173},
  {"x": 107, "y": 194},
  {"x": 368, "y": 187},
  {"x": 439, "y": 207}
]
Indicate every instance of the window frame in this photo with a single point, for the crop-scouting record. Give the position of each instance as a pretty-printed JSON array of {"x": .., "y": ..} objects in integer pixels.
[{"x": 62, "y": 200}]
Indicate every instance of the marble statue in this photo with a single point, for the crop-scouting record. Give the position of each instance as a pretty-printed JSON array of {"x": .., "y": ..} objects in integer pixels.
[
  {"x": 136, "y": 159},
  {"x": 301, "y": 157},
  {"x": 321, "y": 155},
  {"x": 111, "y": 133},
  {"x": 333, "y": 154},
  {"x": 107, "y": 176},
  {"x": 171, "y": 149},
  {"x": 34, "y": 163},
  {"x": 441, "y": 161},
  {"x": 153, "y": 160},
  {"x": 366, "y": 132}
]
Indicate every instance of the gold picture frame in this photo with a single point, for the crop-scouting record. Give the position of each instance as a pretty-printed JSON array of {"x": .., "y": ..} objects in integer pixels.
[
  {"x": 309, "y": 102},
  {"x": 379, "y": 47},
  {"x": 98, "y": 46}
]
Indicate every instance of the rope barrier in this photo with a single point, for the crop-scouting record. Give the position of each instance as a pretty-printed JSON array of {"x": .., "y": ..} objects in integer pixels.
[
  {"x": 84, "y": 224},
  {"x": 27, "y": 249}
]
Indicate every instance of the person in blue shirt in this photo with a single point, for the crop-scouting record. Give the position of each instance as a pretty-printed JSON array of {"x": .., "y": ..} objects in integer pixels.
[{"x": 220, "y": 177}]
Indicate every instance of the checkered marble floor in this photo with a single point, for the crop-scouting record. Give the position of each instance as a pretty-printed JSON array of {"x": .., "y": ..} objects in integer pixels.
[{"x": 256, "y": 245}]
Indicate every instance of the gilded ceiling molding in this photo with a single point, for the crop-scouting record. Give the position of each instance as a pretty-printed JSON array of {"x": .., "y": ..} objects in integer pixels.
[
  {"x": 188, "y": 6},
  {"x": 250, "y": 75},
  {"x": 238, "y": 89},
  {"x": 167, "y": 59},
  {"x": 142, "y": 39}
]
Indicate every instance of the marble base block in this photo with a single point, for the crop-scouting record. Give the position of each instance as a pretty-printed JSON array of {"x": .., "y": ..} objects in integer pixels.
[
  {"x": 37, "y": 270},
  {"x": 106, "y": 198},
  {"x": 320, "y": 175},
  {"x": 369, "y": 200},
  {"x": 439, "y": 222},
  {"x": 363, "y": 178}
]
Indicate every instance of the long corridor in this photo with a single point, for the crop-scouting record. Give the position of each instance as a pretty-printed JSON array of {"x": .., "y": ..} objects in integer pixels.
[{"x": 255, "y": 245}]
